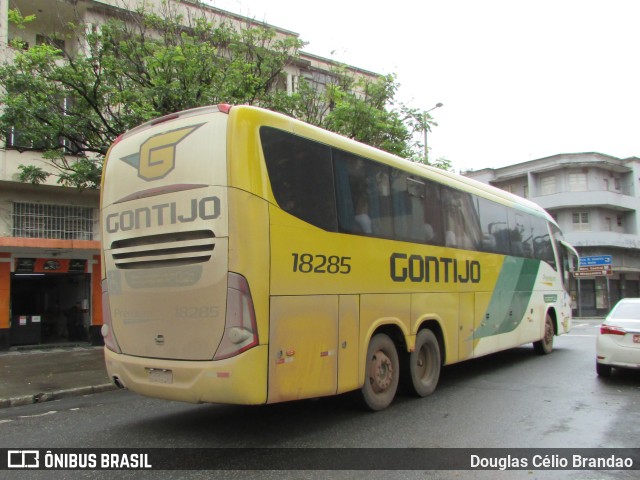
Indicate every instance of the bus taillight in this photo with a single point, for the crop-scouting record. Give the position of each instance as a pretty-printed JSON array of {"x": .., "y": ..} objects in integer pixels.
[
  {"x": 240, "y": 331},
  {"x": 107, "y": 329}
]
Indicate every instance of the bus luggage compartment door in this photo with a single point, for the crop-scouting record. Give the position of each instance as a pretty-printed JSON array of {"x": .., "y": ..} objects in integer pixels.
[{"x": 303, "y": 341}]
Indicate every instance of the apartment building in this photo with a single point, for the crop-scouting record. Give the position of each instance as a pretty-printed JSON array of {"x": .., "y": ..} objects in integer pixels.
[
  {"x": 595, "y": 198},
  {"x": 49, "y": 234}
]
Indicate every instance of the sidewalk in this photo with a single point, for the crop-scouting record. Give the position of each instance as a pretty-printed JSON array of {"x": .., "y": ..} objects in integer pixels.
[{"x": 43, "y": 373}]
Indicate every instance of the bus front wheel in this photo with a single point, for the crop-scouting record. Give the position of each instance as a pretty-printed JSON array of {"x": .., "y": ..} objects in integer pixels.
[
  {"x": 545, "y": 345},
  {"x": 382, "y": 371},
  {"x": 424, "y": 363}
]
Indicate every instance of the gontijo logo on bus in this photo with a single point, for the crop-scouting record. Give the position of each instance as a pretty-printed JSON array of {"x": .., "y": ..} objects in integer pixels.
[
  {"x": 207, "y": 208},
  {"x": 157, "y": 155},
  {"x": 418, "y": 268},
  {"x": 155, "y": 159}
]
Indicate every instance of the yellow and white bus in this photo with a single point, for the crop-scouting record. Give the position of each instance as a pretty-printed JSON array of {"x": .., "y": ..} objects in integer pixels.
[{"x": 250, "y": 258}]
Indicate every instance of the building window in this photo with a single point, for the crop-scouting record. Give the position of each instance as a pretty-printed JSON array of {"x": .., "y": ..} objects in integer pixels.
[
  {"x": 292, "y": 84},
  {"x": 65, "y": 222},
  {"x": 548, "y": 185},
  {"x": 51, "y": 41},
  {"x": 616, "y": 184},
  {"x": 525, "y": 191},
  {"x": 17, "y": 139},
  {"x": 577, "y": 182},
  {"x": 581, "y": 221}
]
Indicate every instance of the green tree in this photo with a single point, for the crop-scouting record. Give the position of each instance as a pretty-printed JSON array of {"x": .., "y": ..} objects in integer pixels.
[
  {"x": 360, "y": 108},
  {"x": 442, "y": 163},
  {"x": 73, "y": 105},
  {"x": 417, "y": 122}
]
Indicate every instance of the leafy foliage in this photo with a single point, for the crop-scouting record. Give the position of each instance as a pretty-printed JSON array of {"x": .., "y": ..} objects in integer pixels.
[{"x": 72, "y": 105}]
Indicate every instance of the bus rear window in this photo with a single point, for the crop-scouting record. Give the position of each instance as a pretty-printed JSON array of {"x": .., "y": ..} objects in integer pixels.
[{"x": 301, "y": 177}]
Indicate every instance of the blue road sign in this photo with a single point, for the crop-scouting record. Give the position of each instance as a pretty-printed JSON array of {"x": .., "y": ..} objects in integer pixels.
[{"x": 595, "y": 260}]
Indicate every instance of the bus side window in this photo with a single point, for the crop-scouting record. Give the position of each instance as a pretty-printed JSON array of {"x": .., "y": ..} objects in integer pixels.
[
  {"x": 363, "y": 195},
  {"x": 495, "y": 227},
  {"x": 542, "y": 246},
  {"x": 407, "y": 200},
  {"x": 434, "y": 229},
  {"x": 520, "y": 234},
  {"x": 344, "y": 197},
  {"x": 301, "y": 176},
  {"x": 461, "y": 221}
]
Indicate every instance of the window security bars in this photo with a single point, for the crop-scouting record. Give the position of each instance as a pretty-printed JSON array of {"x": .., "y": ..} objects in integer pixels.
[{"x": 64, "y": 222}]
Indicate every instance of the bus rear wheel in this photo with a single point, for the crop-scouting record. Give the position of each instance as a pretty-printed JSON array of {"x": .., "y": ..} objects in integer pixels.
[
  {"x": 382, "y": 371},
  {"x": 424, "y": 363},
  {"x": 545, "y": 344}
]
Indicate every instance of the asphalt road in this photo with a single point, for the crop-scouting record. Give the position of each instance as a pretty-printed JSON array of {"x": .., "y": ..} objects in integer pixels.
[{"x": 514, "y": 399}]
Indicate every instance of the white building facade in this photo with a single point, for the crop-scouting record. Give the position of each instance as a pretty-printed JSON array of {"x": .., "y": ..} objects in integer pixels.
[{"x": 595, "y": 198}]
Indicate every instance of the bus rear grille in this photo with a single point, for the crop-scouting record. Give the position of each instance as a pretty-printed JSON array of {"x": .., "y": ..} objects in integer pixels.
[{"x": 165, "y": 250}]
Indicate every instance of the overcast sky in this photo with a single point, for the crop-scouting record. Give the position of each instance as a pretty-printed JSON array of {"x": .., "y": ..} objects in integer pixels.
[{"x": 519, "y": 79}]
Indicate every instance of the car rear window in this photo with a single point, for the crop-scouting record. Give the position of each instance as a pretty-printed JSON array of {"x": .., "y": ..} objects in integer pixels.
[{"x": 630, "y": 311}]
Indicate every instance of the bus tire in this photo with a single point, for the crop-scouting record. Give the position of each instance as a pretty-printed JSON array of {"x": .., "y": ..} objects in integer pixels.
[
  {"x": 424, "y": 363},
  {"x": 382, "y": 373},
  {"x": 544, "y": 346}
]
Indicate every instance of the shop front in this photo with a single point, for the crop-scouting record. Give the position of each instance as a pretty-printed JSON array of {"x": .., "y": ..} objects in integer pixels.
[
  {"x": 49, "y": 300},
  {"x": 600, "y": 282}
]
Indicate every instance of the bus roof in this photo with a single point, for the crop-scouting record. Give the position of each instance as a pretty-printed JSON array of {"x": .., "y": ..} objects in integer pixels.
[{"x": 325, "y": 136}]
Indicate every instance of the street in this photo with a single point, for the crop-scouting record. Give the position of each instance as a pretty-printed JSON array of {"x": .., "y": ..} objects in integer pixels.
[{"x": 513, "y": 399}]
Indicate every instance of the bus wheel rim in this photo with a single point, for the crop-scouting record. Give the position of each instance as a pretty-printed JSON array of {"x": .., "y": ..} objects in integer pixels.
[
  {"x": 380, "y": 371},
  {"x": 422, "y": 364}
]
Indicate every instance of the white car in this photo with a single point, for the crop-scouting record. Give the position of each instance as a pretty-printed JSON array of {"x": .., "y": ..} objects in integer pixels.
[{"x": 618, "y": 343}]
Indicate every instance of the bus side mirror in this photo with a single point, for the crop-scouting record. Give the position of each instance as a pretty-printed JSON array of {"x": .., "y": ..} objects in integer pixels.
[{"x": 574, "y": 265}]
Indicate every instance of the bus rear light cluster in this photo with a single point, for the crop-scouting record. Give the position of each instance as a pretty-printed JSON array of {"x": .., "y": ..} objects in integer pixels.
[
  {"x": 240, "y": 331},
  {"x": 107, "y": 328}
]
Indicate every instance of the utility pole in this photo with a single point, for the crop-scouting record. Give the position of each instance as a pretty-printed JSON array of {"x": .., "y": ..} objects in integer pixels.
[{"x": 426, "y": 129}]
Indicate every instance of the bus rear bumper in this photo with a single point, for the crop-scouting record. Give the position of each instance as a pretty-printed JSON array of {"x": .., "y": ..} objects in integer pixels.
[{"x": 237, "y": 380}]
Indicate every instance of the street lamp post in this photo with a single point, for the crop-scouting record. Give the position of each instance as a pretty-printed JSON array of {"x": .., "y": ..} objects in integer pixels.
[{"x": 426, "y": 129}]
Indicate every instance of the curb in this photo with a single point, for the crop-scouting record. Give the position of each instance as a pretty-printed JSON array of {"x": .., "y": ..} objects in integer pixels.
[
  {"x": 52, "y": 348},
  {"x": 55, "y": 395}
]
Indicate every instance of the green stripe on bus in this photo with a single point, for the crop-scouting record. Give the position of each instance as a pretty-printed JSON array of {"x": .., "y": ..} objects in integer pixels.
[{"x": 510, "y": 297}]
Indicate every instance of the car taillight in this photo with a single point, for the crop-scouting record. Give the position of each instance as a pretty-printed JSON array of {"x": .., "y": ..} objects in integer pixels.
[
  {"x": 107, "y": 329},
  {"x": 611, "y": 330},
  {"x": 240, "y": 331}
]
